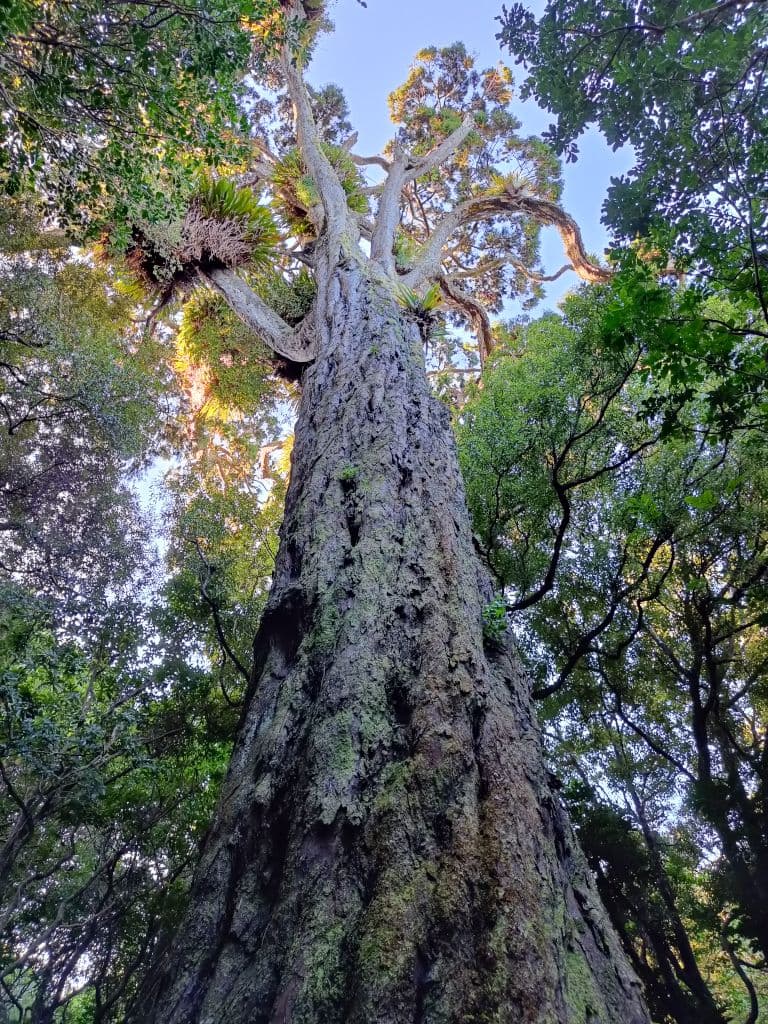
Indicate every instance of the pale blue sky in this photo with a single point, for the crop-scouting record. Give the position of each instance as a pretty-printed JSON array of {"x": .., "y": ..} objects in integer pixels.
[{"x": 370, "y": 53}]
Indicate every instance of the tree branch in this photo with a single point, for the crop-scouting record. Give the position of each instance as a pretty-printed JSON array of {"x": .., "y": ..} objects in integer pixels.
[
  {"x": 476, "y": 312},
  {"x": 736, "y": 963},
  {"x": 540, "y": 278},
  {"x": 437, "y": 156},
  {"x": 561, "y": 493},
  {"x": 402, "y": 170},
  {"x": 506, "y": 204},
  {"x": 367, "y": 161},
  {"x": 388, "y": 214},
  {"x": 334, "y": 201},
  {"x": 294, "y": 344},
  {"x": 221, "y": 636}
]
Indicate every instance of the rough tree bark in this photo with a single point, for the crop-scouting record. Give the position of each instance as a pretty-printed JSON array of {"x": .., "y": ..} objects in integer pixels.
[{"x": 387, "y": 847}]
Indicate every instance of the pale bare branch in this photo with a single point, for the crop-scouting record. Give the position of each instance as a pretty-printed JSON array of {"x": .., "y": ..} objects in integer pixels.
[
  {"x": 367, "y": 161},
  {"x": 333, "y": 199},
  {"x": 388, "y": 213},
  {"x": 540, "y": 278},
  {"x": 402, "y": 170},
  {"x": 506, "y": 204},
  {"x": 349, "y": 142},
  {"x": 294, "y": 344}
]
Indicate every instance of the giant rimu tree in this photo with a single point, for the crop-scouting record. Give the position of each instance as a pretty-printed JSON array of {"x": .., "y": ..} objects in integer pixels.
[{"x": 387, "y": 846}]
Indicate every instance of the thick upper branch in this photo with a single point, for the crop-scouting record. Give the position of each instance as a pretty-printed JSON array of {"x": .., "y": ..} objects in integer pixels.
[
  {"x": 333, "y": 199},
  {"x": 509, "y": 203},
  {"x": 401, "y": 170},
  {"x": 371, "y": 161},
  {"x": 437, "y": 156},
  {"x": 388, "y": 214},
  {"x": 472, "y": 308},
  {"x": 295, "y": 344}
]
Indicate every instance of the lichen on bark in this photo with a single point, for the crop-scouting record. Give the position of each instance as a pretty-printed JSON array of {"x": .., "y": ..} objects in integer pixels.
[{"x": 387, "y": 848}]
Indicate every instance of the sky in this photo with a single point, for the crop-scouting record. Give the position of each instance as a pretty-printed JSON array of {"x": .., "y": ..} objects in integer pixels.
[{"x": 370, "y": 54}]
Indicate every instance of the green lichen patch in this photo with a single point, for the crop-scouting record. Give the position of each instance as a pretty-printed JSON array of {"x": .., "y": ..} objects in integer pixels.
[
  {"x": 336, "y": 759},
  {"x": 393, "y": 786},
  {"x": 585, "y": 1004},
  {"x": 392, "y": 931},
  {"x": 325, "y": 974},
  {"x": 374, "y": 724},
  {"x": 348, "y": 474},
  {"x": 323, "y": 637}
]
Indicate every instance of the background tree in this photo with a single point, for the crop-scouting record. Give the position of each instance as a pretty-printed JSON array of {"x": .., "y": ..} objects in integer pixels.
[
  {"x": 700, "y": 165},
  {"x": 632, "y": 557},
  {"x": 99, "y": 96},
  {"x": 683, "y": 84},
  {"x": 116, "y": 684}
]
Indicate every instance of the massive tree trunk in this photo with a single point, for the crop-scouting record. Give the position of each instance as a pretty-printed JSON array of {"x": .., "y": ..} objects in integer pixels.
[{"x": 387, "y": 848}]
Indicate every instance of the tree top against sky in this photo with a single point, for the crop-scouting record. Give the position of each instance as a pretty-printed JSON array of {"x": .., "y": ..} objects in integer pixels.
[{"x": 451, "y": 213}]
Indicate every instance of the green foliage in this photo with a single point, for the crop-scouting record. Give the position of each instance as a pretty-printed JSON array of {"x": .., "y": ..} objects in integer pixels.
[
  {"x": 99, "y": 96},
  {"x": 223, "y": 200},
  {"x": 682, "y": 85},
  {"x": 295, "y": 193},
  {"x": 698, "y": 343},
  {"x": 655, "y": 892},
  {"x": 420, "y": 305},
  {"x": 227, "y": 497},
  {"x": 444, "y": 86},
  {"x": 80, "y": 395},
  {"x": 527, "y": 438},
  {"x": 406, "y": 251},
  {"x": 119, "y": 700},
  {"x": 291, "y": 296},
  {"x": 424, "y": 310},
  {"x": 495, "y": 623},
  {"x": 348, "y": 474},
  {"x": 633, "y": 558},
  {"x": 102, "y": 806},
  {"x": 223, "y": 364},
  {"x": 222, "y": 226},
  {"x": 224, "y": 543}
]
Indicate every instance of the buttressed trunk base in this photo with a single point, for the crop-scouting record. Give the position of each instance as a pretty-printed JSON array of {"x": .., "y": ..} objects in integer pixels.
[{"x": 387, "y": 849}]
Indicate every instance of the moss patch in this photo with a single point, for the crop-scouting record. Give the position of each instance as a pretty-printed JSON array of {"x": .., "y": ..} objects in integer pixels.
[
  {"x": 325, "y": 977},
  {"x": 584, "y": 1001}
]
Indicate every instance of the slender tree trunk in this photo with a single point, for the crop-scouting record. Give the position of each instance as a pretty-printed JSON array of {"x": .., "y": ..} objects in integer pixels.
[
  {"x": 667, "y": 999},
  {"x": 697, "y": 1005},
  {"x": 387, "y": 849}
]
